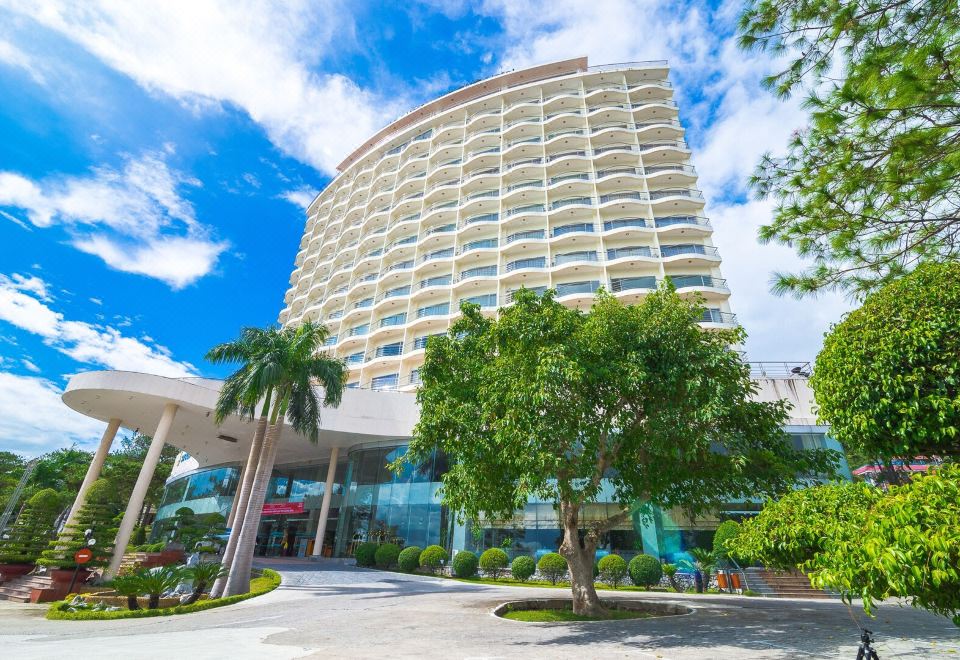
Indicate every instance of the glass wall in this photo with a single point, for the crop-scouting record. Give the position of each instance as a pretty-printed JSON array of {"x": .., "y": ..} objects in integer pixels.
[{"x": 382, "y": 506}]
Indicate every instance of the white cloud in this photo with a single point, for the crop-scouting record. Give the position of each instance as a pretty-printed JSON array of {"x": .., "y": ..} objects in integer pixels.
[
  {"x": 301, "y": 197},
  {"x": 33, "y": 419},
  {"x": 15, "y": 57},
  {"x": 256, "y": 56},
  {"x": 134, "y": 218},
  {"x": 30, "y": 366},
  {"x": 89, "y": 343}
]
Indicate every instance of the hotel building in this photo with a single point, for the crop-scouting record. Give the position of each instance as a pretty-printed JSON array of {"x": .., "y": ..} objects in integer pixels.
[{"x": 562, "y": 176}]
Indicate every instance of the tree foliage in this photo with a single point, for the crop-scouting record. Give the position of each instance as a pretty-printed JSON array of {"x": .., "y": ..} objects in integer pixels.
[
  {"x": 33, "y": 529},
  {"x": 888, "y": 378},
  {"x": 98, "y": 514},
  {"x": 550, "y": 402},
  {"x": 868, "y": 543},
  {"x": 872, "y": 186}
]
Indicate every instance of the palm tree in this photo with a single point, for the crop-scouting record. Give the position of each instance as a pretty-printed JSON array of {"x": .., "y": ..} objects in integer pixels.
[
  {"x": 202, "y": 574},
  {"x": 240, "y": 394},
  {"x": 157, "y": 581},
  {"x": 704, "y": 561},
  {"x": 129, "y": 586},
  {"x": 280, "y": 371}
]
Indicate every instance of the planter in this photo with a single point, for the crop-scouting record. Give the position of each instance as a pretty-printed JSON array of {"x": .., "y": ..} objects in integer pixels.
[{"x": 13, "y": 571}]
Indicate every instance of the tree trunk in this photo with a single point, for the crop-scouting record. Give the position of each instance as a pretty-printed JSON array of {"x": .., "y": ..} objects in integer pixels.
[
  {"x": 154, "y": 602},
  {"x": 132, "y": 603},
  {"x": 579, "y": 554},
  {"x": 239, "y": 509},
  {"x": 238, "y": 582}
]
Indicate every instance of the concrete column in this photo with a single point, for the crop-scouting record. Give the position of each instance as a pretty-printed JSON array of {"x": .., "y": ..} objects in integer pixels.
[
  {"x": 93, "y": 472},
  {"x": 325, "y": 503},
  {"x": 140, "y": 488}
]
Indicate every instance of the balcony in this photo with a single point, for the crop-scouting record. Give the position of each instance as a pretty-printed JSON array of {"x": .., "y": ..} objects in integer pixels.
[
  {"x": 527, "y": 208},
  {"x": 443, "y": 280},
  {"x": 577, "y": 288},
  {"x": 682, "y": 281},
  {"x": 571, "y": 228},
  {"x": 484, "y": 217},
  {"x": 485, "y": 301},
  {"x": 395, "y": 320},
  {"x": 575, "y": 257},
  {"x": 387, "y": 350},
  {"x": 420, "y": 343},
  {"x": 637, "y": 251},
  {"x": 360, "y": 304},
  {"x": 393, "y": 293},
  {"x": 532, "y": 235},
  {"x": 481, "y": 271},
  {"x": 692, "y": 249},
  {"x": 716, "y": 316},
  {"x": 538, "y": 290},
  {"x": 620, "y": 284},
  {"x": 484, "y": 244},
  {"x": 689, "y": 193},
  {"x": 570, "y": 201},
  {"x": 672, "y": 220},
  {"x": 355, "y": 358},
  {"x": 385, "y": 383},
  {"x": 442, "y": 309},
  {"x": 359, "y": 331},
  {"x": 623, "y": 197},
  {"x": 400, "y": 265},
  {"x": 626, "y": 223},
  {"x": 529, "y": 183},
  {"x": 441, "y": 229},
  {"x": 437, "y": 254},
  {"x": 532, "y": 262}
]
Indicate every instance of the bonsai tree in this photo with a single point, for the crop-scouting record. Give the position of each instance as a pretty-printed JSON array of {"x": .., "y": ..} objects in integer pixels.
[
  {"x": 613, "y": 570},
  {"x": 203, "y": 575},
  {"x": 281, "y": 368},
  {"x": 554, "y": 403},
  {"x": 98, "y": 515},
  {"x": 888, "y": 378},
  {"x": 33, "y": 529},
  {"x": 493, "y": 563},
  {"x": 129, "y": 586}
]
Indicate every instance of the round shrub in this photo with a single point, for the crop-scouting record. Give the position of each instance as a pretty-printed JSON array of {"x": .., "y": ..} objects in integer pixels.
[
  {"x": 432, "y": 558},
  {"x": 645, "y": 571},
  {"x": 613, "y": 570},
  {"x": 523, "y": 567},
  {"x": 727, "y": 531},
  {"x": 366, "y": 554},
  {"x": 386, "y": 555},
  {"x": 409, "y": 559},
  {"x": 553, "y": 567},
  {"x": 464, "y": 564},
  {"x": 493, "y": 562}
]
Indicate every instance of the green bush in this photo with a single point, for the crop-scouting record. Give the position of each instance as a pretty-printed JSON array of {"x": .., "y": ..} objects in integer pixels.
[
  {"x": 523, "y": 568},
  {"x": 366, "y": 554},
  {"x": 645, "y": 571},
  {"x": 268, "y": 581},
  {"x": 432, "y": 558},
  {"x": 727, "y": 531},
  {"x": 493, "y": 562},
  {"x": 31, "y": 533},
  {"x": 386, "y": 555},
  {"x": 553, "y": 567},
  {"x": 97, "y": 514},
  {"x": 613, "y": 570},
  {"x": 464, "y": 564},
  {"x": 409, "y": 559}
]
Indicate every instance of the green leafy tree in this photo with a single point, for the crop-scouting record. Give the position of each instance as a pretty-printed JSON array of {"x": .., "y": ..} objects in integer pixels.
[
  {"x": 728, "y": 530},
  {"x": 30, "y": 535},
  {"x": 11, "y": 469},
  {"x": 550, "y": 402},
  {"x": 98, "y": 514},
  {"x": 791, "y": 531},
  {"x": 872, "y": 186},
  {"x": 122, "y": 467},
  {"x": 432, "y": 558},
  {"x": 464, "y": 564},
  {"x": 888, "y": 378},
  {"x": 278, "y": 371},
  {"x": 386, "y": 555}
]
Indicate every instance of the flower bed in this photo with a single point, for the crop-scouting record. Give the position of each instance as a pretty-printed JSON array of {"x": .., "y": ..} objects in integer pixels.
[{"x": 268, "y": 581}]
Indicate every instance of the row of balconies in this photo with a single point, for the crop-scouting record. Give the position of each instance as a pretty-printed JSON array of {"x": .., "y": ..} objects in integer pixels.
[
  {"x": 585, "y": 232},
  {"x": 627, "y": 111},
  {"x": 617, "y": 228}
]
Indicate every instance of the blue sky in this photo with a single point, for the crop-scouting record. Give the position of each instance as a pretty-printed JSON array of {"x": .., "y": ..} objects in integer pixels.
[{"x": 156, "y": 159}]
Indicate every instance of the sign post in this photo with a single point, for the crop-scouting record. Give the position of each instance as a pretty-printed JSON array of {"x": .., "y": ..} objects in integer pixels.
[{"x": 81, "y": 556}]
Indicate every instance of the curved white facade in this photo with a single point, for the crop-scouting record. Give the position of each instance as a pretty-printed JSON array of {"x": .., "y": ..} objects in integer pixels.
[{"x": 562, "y": 176}]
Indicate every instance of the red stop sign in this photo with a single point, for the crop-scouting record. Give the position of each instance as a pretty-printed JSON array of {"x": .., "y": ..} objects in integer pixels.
[{"x": 83, "y": 555}]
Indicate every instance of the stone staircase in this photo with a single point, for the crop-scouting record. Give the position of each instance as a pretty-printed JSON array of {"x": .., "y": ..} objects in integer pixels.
[
  {"x": 19, "y": 589},
  {"x": 781, "y": 584},
  {"x": 131, "y": 560}
]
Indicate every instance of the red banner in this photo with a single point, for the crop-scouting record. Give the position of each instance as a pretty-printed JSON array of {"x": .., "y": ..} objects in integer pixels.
[{"x": 277, "y": 508}]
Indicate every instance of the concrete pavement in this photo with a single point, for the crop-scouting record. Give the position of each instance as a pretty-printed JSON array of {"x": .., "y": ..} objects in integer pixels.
[{"x": 329, "y": 610}]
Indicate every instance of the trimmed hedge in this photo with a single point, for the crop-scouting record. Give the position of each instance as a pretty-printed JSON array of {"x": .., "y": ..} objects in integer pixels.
[
  {"x": 386, "y": 555},
  {"x": 493, "y": 562},
  {"x": 523, "y": 568},
  {"x": 267, "y": 582},
  {"x": 613, "y": 570},
  {"x": 645, "y": 571},
  {"x": 409, "y": 559},
  {"x": 726, "y": 532},
  {"x": 553, "y": 567},
  {"x": 464, "y": 564},
  {"x": 432, "y": 558},
  {"x": 366, "y": 554}
]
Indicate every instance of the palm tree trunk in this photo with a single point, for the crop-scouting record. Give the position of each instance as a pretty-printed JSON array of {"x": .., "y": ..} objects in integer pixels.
[
  {"x": 238, "y": 581},
  {"x": 240, "y": 503}
]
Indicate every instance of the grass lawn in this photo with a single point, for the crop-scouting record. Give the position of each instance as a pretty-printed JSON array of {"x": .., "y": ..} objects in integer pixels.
[{"x": 542, "y": 616}]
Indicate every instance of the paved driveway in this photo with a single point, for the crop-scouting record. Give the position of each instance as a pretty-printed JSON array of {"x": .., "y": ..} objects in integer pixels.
[{"x": 336, "y": 611}]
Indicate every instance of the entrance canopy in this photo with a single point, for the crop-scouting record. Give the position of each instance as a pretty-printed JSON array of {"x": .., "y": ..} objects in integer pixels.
[{"x": 138, "y": 401}]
